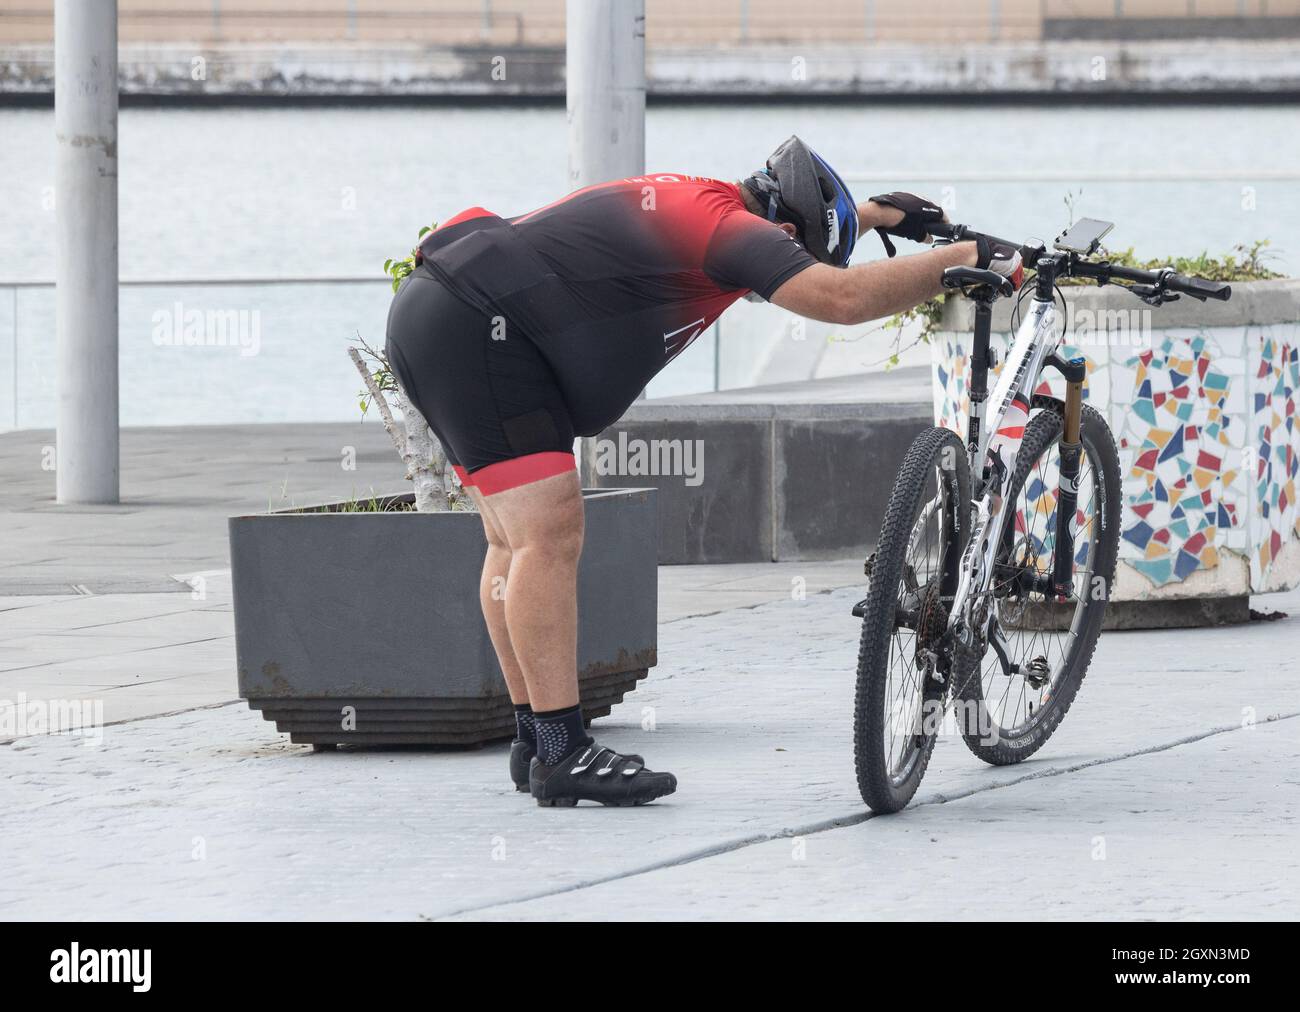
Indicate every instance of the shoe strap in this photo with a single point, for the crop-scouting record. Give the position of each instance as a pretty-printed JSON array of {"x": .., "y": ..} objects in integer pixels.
[{"x": 604, "y": 762}]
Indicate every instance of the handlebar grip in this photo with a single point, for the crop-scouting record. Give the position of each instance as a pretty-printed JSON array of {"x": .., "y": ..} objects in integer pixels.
[{"x": 1199, "y": 288}]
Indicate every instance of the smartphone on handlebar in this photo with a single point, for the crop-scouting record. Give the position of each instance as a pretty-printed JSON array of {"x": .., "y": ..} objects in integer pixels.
[{"x": 1084, "y": 236}]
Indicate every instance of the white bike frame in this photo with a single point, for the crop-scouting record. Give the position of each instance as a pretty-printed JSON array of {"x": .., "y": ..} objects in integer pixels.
[{"x": 1035, "y": 340}]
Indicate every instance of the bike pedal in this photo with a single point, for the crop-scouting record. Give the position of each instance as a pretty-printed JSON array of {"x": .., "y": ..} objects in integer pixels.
[
  {"x": 1037, "y": 672},
  {"x": 860, "y": 609}
]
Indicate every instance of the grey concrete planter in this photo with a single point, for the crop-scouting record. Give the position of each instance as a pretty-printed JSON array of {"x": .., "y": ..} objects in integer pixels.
[{"x": 365, "y": 628}]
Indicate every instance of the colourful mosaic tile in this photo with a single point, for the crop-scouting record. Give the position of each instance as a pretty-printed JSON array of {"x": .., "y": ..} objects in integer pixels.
[{"x": 1274, "y": 367}]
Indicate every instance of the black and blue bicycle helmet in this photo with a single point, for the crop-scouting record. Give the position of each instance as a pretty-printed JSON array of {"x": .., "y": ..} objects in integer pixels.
[{"x": 799, "y": 187}]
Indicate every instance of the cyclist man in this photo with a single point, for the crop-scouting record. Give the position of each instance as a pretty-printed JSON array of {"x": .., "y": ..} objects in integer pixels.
[{"x": 514, "y": 335}]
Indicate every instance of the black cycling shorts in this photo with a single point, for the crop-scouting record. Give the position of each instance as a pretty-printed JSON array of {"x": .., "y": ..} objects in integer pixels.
[{"x": 486, "y": 391}]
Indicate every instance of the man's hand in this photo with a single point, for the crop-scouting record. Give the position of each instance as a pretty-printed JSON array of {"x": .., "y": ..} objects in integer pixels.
[
  {"x": 902, "y": 214},
  {"x": 1001, "y": 257},
  {"x": 872, "y": 215}
]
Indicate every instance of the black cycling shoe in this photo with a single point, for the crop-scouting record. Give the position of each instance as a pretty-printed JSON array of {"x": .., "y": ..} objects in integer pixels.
[
  {"x": 594, "y": 773},
  {"x": 521, "y": 755}
]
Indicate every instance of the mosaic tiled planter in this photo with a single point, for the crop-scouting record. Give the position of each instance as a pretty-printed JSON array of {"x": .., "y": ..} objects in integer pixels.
[{"x": 1201, "y": 398}]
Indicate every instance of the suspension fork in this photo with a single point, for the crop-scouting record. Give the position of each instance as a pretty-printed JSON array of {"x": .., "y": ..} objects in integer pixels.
[{"x": 1067, "y": 494}]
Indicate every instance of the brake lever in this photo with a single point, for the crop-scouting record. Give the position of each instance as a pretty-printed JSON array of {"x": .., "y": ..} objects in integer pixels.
[{"x": 1153, "y": 295}]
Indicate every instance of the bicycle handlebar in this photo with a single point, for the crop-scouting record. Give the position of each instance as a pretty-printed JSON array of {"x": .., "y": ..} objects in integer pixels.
[
  {"x": 1166, "y": 278},
  {"x": 964, "y": 233},
  {"x": 1101, "y": 271}
]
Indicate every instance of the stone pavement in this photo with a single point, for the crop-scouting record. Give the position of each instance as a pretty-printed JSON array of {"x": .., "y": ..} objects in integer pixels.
[{"x": 1171, "y": 790}]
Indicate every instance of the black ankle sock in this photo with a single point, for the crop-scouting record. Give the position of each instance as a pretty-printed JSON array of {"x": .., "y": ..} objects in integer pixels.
[
  {"x": 525, "y": 724},
  {"x": 559, "y": 732}
]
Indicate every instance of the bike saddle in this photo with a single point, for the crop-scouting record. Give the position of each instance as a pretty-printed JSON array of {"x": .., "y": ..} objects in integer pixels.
[{"x": 967, "y": 277}]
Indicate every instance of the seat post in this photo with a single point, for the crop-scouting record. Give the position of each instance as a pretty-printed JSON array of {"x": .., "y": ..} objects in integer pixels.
[{"x": 980, "y": 362}]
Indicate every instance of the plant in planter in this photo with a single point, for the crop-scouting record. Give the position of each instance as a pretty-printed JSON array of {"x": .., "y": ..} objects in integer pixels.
[
  {"x": 435, "y": 483},
  {"x": 426, "y": 461},
  {"x": 359, "y": 622}
]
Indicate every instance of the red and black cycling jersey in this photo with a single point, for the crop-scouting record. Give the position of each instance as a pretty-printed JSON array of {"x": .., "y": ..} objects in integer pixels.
[{"x": 614, "y": 281}]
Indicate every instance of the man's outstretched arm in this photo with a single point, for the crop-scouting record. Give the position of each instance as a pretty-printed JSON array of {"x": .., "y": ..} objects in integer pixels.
[{"x": 871, "y": 291}]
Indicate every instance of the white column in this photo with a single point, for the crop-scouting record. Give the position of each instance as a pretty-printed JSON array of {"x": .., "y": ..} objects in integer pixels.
[
  {"x": 85, "y": 129},
  {"x": 605, "y": 89},
  {"x": 604, "y": 48}
]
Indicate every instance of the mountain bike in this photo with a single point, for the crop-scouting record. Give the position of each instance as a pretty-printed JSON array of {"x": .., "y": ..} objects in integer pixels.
[{"x": 990, "y": 579}]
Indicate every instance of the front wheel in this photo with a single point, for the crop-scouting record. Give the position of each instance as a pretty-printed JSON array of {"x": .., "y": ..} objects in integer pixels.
[
  {"x": 1012, "y": 706},
  {"x": 898, "y": 704}
]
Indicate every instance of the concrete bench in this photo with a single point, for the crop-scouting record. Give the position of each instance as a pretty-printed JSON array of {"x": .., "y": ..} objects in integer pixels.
[{"x": 775, "y": 473}]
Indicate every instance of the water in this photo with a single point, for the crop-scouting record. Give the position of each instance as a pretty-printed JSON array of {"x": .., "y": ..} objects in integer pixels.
[{"x": 274, "y": 192}]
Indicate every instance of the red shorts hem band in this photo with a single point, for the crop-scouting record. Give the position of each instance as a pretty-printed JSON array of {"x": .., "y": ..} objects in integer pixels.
[
  {"x": 510, "y": 474},
  {"x": 463, "y": 475}
]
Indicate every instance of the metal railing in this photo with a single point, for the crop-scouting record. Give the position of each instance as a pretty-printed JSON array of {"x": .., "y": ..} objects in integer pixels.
[
  {"x": 12, "y": 288},
  {"x": 31, "y": 341}
]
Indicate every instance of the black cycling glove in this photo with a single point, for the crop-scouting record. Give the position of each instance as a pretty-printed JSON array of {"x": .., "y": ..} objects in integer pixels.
[
  {"x": 1001, "y": 257},
  {"x": 917, "y": 213}
]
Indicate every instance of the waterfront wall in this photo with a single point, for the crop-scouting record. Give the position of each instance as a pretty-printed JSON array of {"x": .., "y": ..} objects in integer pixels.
[{"x": 1094, "y": 68}]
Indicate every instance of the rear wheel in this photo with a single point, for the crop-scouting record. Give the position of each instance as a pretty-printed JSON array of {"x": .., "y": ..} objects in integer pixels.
[
  {"x": 914, "y": 572},
  {"x": 1049, "y": 643}
]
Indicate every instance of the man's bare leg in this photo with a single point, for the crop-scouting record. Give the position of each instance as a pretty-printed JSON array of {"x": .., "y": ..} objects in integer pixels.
[
  {"x": 492, "y": 597},
  {"x": 539, "y": 528},
  {"x": 541, "y": 525}
]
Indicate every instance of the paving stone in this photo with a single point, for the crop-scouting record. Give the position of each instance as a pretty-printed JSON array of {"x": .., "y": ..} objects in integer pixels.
[{"x": 210, "y": 813}]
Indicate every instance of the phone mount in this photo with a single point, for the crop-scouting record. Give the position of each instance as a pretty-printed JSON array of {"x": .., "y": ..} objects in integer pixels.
[{"x": 1083, "y": 237}]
